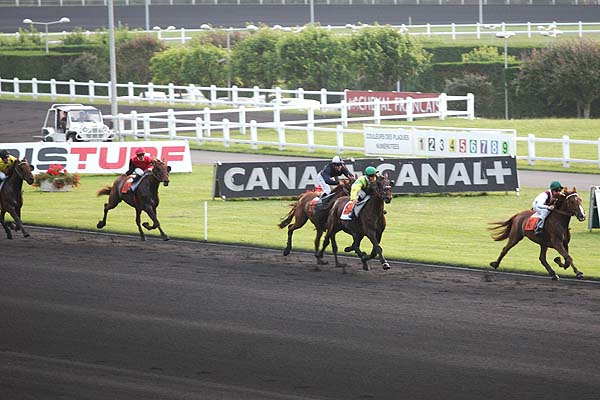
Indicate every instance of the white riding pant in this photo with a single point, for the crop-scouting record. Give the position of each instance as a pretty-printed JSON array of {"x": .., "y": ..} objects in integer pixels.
[
  {"x": 323, "y": 185},
  {"x": 2, "y": 176},
  {"x": 542, "y": 212},
  {"x": 138, "y": 172}
]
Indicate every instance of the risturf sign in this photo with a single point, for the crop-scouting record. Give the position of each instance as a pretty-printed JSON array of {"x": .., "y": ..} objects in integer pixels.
[
  {"x": 366, "y": 96},
  {"x": 419, "y": 175},
  {"x": 100, "y": 158}
]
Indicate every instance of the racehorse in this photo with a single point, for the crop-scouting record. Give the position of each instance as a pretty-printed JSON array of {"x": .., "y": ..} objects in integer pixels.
[
  {"x": 11, "y": 196},
  {"x": 144, "y": 198},
  {"x": 304, "y": 209},
  {"x": 556, "y": 233},
  {"x": 371, "y": 223}
]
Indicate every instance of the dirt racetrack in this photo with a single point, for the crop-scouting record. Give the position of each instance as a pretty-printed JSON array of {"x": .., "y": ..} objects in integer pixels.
[{"x": 102, "y": 316}]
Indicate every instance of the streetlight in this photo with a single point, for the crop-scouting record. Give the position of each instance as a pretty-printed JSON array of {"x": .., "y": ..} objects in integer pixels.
[
  {"x": 505, "y": 35},
  {"x": 63, "y": 20}
]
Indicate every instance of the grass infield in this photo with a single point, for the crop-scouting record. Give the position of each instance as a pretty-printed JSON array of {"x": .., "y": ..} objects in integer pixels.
[{"x": 438, "y": 229}]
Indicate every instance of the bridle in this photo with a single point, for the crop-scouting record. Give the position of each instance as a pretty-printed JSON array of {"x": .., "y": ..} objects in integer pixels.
[
  {"x": 566, "y": 212},
  {"x": 155, "y": 172}
]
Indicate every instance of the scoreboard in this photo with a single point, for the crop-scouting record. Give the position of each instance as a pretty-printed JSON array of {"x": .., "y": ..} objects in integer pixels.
[{"x": 393, "y": 140}]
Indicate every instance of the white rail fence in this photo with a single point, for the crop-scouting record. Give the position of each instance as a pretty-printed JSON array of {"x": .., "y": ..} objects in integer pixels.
[
  {"x": 453, "y": 31},
  {"x": 565, "y": 143},
  {"x": 42, "y": 3}
]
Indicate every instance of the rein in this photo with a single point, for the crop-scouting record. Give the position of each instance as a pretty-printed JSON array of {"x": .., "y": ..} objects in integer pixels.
[{"x": 563, "y": 212}]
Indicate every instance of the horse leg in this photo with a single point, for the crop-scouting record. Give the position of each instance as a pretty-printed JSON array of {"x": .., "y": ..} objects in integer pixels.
[
  {"x": 156, "y": 225},
  {"x": 512, "y": 242},
  {"x": 138, "y": 220},
  {"x": 113, "y": 201},
  {"x": 377, "y": 248},
  {"x": 334, "y": 248},
  {"x": 5, "y": 225},
  {"x": 320, "y": 261},
  {"x": 20, "y": 225},
  {"x": 542, "y": 258},
  {"x": 564, "y": 252},
  {"x": 299, "y": 221}
]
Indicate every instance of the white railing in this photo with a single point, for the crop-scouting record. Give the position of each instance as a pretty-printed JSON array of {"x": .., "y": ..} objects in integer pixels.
[
  {"x": 565, "y": 144},
  {"x": 454, "y": 31},
  {"x": 41, "y": 3}
]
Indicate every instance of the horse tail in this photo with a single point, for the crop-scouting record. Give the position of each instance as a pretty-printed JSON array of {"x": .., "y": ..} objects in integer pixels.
[
  {"x": 285, "y": 221},
  {"x": 104, "y": 191},
  {"x": 502, "y": 229}
]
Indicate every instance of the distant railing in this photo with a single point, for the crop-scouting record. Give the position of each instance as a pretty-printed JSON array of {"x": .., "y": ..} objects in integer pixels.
[
  {"x": 565, "y": 144},
  {"x": 42, "y": 3}
]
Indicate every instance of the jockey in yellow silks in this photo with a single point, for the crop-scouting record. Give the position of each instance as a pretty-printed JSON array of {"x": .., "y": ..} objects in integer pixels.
[
  {"x": 6, "y": 161},
  {"x": 358, "y": 190}
]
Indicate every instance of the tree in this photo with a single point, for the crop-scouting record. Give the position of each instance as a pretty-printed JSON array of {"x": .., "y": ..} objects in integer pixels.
[
  {"x": 565, "y": 72},
  {"x": 486, "y": 54},
  {"x": 313, "y": 59},
  {"x": 133, "y": 58},
  {"x": 84, "y": 68},
  {"x": 254, "y": 60},
  {"x": 165, "y": 66},
  {"x": 205, "y": 65},
  {"x": 481, "y": 87},
  {"x": 381, "y": 56}
]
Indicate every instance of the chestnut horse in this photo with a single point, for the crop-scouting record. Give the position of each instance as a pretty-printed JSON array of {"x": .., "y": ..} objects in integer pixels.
[
  {"x": 144, "y": 198},
  {"x": 370, "y": 223},
  {"x": 304, "y": 210},
  {"x": 11, "y": 196},
  {"x": 555, "y": 234}
]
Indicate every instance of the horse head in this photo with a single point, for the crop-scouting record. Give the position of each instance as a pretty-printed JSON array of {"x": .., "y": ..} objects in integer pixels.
[
  {"x": 23, "y": 170},
  {"x": 160, "y": 171},
  {"x": 382, "y": 188},
  {"x": 569, "y": 202}
]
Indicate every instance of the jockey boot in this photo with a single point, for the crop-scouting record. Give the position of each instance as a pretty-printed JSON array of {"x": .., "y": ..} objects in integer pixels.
[{"x": 539, "y": 227}]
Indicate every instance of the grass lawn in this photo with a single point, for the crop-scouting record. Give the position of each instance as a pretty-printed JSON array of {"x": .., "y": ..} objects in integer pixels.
[{"x": 430, "y": 228}]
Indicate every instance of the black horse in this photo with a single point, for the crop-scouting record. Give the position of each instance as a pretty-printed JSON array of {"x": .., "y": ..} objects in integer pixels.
[
  {"x": 371, "y": 223},
  {"x": 144, "y": 198},
  {"x": 555, "y": 235},
  {"x": 11, "y": 196}
]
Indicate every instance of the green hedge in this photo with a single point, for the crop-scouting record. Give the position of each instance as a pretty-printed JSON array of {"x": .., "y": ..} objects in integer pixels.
[
  {"x": 444, "y": 54},
  {"x": 33, "y": 64}
]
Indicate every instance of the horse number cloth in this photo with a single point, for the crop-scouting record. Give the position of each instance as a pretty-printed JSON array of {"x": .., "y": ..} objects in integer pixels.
[{"x": 531, "y": 223}]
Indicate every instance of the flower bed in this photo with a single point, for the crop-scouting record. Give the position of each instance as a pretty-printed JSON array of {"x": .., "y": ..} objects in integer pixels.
[{"x": 56, "y": 178}]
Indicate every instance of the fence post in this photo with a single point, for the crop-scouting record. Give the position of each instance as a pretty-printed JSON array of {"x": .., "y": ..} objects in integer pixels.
[
  {"x": 207, "y": 127},
  {"x": 339, "y": 135},
  {"x": 253, "y": 134},
  {"x": 531, "y": 149},
  {"x": 242, "y": 119},
  {"x": 323, "y": 98},
  {"x": 300, "y": 93},
  {"x": 234, "y": 93},
  {"x": 310, "y": 129},
  {"x": 470, "y": 106},
  {"x": 120, "y": 123},
  {"x": 580, "y": 25},
  {"x": 0, "y": 84},
  {"x": 599, "y": 152},
  {"x": 172, "y": 123},
  {"x": 528, "y": 29},
  {"x": 344, "y": 113},
  {"x": 377, "y": 111},
  {"x": 213, "y": 94},
  {"x": 171, "y": 91},
  {"x": 53, "y": 88},
  {"x": 256, "y": 93},
  {"x": 16, "y": 89},
  {"x": 134, "y": 123},
  {"x": 72, "y": 91},
  {"x": 34, "y": 88},
  {"x": 91, "y": 90},
  {"x": 566, "y": 145},
  {"x": 146, "y": 127},
  {"x": 478, "y": 31},
  {"x": 409, "y": 109},
  {"x": 226, "y": 134},
  {"x": 199, "y": 137},
  {"x": 281, "y": 135},
  {"x": 443, "y": 105}
]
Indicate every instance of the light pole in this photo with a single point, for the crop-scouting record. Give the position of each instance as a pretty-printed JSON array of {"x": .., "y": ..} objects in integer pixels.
[
  {"x": 112, "y": 55},
  {"x": 505, "y": 35},
  {"x": 63, "y": 20}
]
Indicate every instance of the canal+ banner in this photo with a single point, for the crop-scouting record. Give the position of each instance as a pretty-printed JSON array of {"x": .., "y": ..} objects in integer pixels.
[
  {"x": 100, "y": 157},
  {"x": 415, "y": 175}
]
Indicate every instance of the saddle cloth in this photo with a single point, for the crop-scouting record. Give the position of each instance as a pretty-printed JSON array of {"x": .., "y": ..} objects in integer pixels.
[{"x": 531, "y": 222}]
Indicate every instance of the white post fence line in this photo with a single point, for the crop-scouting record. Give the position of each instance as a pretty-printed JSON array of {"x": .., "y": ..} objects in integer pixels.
[
  {"x": 565, "y": 144},
  {"x": 451, "y": 30}
]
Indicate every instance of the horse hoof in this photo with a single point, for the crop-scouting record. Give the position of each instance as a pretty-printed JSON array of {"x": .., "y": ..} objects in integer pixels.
[
  {"x": 494, "y": 264},
  {"x": 386, "y": 266},
  {"x": 366, "y": 268},
  {"x": 26, "y": 235},
  {"x": 166, "y": 238},
  {"x": 555, "y": 277},
  {"x": 320, "y": 261},
  {"x": 579, "y": 275},
  {"x": 100, "y": 225},
  {"x": 348, "y": 249},
  {"x": 287, "y": 251}
]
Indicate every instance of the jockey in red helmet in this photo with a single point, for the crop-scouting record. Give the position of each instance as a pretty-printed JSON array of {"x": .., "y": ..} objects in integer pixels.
[{"x": 138, "y": 165}]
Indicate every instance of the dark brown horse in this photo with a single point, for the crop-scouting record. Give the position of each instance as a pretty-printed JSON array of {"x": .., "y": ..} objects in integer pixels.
[
  {"x": 555, "y": 234},
  {"x": 11, "y": 196},
  {"x": 370, "y": 223},
  {"x": 304, "y": 209},
  {"x": 144, "y": 198}
]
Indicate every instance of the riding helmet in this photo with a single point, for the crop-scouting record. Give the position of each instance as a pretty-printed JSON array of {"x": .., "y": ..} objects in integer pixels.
[
  {"x": 4, "y": 154},
  {"x": 555, "y": 185},
  {"x": 140, "y": 150},
  {"x": 370, "y": 171},
  {"x": 337, "y": 160}
]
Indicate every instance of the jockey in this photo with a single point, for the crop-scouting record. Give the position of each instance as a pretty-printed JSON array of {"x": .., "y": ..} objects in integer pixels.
[
  {"x": 358, "y": 191},
  {"x": 6, "y": 161},
  {"x": 544, "y": 203},
  {"x": 138, "y": 164},
  {"x": 328, "y": 175}
]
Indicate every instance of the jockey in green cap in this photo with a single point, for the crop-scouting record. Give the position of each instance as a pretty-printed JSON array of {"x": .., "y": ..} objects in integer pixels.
[{"x": 544, "y": 203}]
